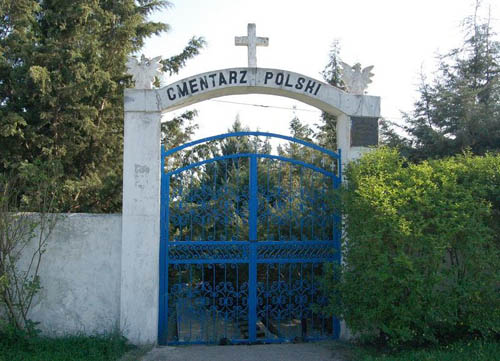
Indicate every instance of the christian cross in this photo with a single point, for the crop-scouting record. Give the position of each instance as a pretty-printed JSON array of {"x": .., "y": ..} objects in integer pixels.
[{"x": 252, "y": 41}]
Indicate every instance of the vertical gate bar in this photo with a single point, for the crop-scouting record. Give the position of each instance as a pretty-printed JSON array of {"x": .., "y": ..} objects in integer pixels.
[
  {"x": 267, "y": 297},
  {"x": 302, "y": 306},
  {"x": 252, "y": 293},
  {"x": 214, "y": 301},
  {"x": 278, "y": 201},
  {"x": 238, "y": 295},
  {"x": 226, "y": 296},
  {"x": 237, "y": 167},
  {"x": 203, "y": 217},
  {"x": 310, "y": 203},
  {"x": 178, "y": 317},
  {"x": 204, "y": 322},
  {"x": 290, "y": 313},
  {"x": 268, "y": 211},
  {"x": 214, "y": 198},
  {"x": 290, "y": 209},
  {"x": 167, "y": 239},
  {"x": 252, "y": 236},
  {"x": 252, "y": 216},
  {"x": 323, "y": 325},
  {"x": 226, "y": 202},
  {"x": 301, "y": 185},
  {"x": 315, "y": 202},
  {"x": 164, "y": 228},
  {"x": 180, "y": 209},
  {"x": 191, "y": 208},
  {"x": 323, "y": 218},
  {"x": 190, "y": 300},
  {"x": 337, "y": 216},
  {"x": 313, "y": 287},
  {"x": 280, "y": 311}
]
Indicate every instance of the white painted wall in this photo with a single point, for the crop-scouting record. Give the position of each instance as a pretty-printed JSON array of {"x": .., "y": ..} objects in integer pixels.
[{"x": 80, "y": 276}]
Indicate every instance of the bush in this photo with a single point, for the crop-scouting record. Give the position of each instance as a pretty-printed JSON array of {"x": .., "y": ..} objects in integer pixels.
[
  {"x": 422, "y": 259},
  {"x": 477, "y": 350},
  {"x": 23, "y": 240}
]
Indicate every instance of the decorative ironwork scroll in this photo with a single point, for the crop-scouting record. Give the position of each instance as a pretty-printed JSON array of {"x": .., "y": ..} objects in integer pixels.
[{"x": 245, "y": 236}]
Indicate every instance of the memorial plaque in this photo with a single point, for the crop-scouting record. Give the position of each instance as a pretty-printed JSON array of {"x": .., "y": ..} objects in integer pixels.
[{"x": 364, "y": 131}]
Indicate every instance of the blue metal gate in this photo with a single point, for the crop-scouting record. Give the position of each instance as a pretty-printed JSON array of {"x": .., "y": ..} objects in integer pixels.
[{"x": 245, "y": 237}]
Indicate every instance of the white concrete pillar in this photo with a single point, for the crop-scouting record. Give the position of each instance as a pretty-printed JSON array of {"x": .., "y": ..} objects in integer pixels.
[
  {"x": 140, "y": 226},
  {"x": 344, "y": 137}
]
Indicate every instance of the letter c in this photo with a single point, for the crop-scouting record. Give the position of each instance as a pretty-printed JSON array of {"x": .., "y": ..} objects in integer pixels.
[{"x": 171, "y": 94}]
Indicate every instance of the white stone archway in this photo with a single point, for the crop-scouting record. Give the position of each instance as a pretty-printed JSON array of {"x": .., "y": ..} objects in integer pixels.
[{"x": 356, "y": 115}]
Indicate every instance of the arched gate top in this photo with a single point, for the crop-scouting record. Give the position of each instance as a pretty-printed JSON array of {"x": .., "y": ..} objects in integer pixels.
[
  {"x": 235, "y": 81},
  {"x": 249, "y": 155},
  {"x": 166, "y": 153},
  {"x": 335, "y": 155}
]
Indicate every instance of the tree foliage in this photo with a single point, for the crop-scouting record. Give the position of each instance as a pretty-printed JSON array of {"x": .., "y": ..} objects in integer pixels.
[
  {"x": 327, "y": 134},
  {"x": 62, "y": 76},
  {"x": 325, "y": 131},
  {"x": 173, "y": 64},
  {"x": 460, "y": 109},
  {"x": 421, "y": 262}
]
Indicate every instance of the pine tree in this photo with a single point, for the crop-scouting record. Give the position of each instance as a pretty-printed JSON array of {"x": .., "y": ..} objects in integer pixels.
[
  {"x": 327, "y": 135},
  {"x": 300, "y": 131},
  {"x": 460, "y": 110},
  {"x": 62, "y": 76}
]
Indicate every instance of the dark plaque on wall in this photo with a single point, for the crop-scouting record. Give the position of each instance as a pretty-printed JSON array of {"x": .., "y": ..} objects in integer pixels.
[{"x": 364, "y": 131}]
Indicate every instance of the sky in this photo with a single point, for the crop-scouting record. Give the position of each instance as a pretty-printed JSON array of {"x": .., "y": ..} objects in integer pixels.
[{"x": 401, "y": 38}]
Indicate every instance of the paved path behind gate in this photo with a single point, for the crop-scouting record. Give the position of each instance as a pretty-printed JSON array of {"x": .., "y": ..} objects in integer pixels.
[{"x": 278, "y": 352}]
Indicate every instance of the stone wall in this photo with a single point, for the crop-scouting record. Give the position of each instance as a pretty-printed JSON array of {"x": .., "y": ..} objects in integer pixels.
[{"x": 80, "y": 276}]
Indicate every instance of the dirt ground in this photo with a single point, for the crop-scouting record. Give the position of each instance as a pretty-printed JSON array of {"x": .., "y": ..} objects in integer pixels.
[{"x": 321, "y": 351}]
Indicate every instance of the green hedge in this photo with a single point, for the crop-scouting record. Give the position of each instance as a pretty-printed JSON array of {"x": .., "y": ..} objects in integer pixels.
[{"x": 421, "y": 262}]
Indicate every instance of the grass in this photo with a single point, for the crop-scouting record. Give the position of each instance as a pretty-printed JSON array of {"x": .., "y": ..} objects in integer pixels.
[
  {"x": 461, "y": 351},
  {"x": 74, "y": 348},
  {"x": 115, "y": 347}
]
